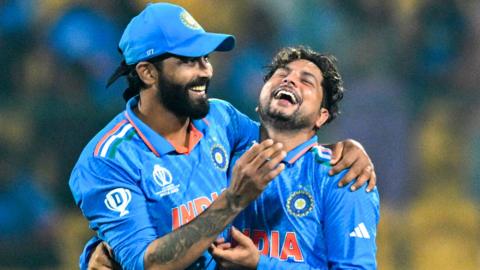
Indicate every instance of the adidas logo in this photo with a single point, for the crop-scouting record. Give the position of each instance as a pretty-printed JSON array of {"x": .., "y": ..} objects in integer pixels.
[{"x": 360, "y": 232}]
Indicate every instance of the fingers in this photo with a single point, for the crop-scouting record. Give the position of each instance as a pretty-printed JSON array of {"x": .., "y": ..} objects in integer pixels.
[
  {"x": 219, "y": 241},
  {"x": 269, "y": 157},
  {"x": 224, "y": 254},
  {"x": 107, "y": 249},
  {"x": 353, "y": 156},
  {"x": 224, "y": 245},
  {"x": 337, "y": 150},
  {"x": 253, "y": 152},
  {"x": 254, "y": 170},
  {"x": 362, "y": 178},
  {"x": 100, "y": 267},
  {"x": 347, "y": 178},
  {"x": 273, "y": 167},
  {"x": 100, "y": 258},
  {"x": 344, "y": 163},
  {"x": 373, "y": 181},
  {"x": 366, "y": 175},
  {"x": 239, "y": 237},
  {"x": 263, "y": 157},
  {"x": 266, "y": 162},
  {"x": 274, "y": 173}
]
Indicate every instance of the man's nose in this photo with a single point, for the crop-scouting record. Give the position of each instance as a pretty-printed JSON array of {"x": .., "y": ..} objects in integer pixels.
[
  {"x": 290, "y": 80},
  {"x": 206, "y": 69}
]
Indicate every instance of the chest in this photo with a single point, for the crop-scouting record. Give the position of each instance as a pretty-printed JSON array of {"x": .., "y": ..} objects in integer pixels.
[
  {"x": 178, "y": 187},
  {"x": 285, "y": 222},
  {"x": 291, "y": 200}
]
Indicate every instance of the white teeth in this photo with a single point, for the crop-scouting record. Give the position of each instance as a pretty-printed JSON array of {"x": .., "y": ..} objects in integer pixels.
[
  {"x": 284, "y": 92},
  {"x": 200, "y": 88}
]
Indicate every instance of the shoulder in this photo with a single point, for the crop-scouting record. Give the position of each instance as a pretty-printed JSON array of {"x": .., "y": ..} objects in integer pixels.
[
  {"x": 96, "y": 174},
  {"x": 111, "y": 153},
  {"x": 118, "y": 136},
  {"x": 342, "y": 196},
  {"x": 221, "y": 109},
  {"x": 327, "y": 184},
  {"x": 225, "y": 114}
]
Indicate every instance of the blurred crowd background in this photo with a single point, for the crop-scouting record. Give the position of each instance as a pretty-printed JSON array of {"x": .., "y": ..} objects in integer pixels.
[{"x": 411, "y": 70}]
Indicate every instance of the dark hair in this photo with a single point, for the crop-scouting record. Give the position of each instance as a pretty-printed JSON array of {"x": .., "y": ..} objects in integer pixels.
[
  {"x": 332, "y": 81},
  {"x": 135, "y": 84}
]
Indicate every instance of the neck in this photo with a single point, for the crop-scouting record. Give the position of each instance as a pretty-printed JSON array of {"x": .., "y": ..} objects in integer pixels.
[
  {"x": 170, "y": 126},
  {"x": 289, "y": 139}
]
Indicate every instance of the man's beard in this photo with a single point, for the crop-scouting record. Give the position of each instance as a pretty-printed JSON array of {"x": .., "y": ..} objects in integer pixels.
[
  {"x": 176, "y": 99},
  {"x": 280, "y": 121}
]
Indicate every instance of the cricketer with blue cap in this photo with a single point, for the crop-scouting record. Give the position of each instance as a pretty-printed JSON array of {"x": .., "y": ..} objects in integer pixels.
[
  {"x": 164, "y": 29},
  {"x": 153, "y": 182}
]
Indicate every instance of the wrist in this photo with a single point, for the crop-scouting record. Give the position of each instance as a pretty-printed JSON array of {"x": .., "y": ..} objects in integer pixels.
[
  {"x": 235, "y": 202},
  {"x": 256, "y": 260}
]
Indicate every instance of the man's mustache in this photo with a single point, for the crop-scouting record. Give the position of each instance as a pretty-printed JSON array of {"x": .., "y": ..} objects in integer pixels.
[{"x": 198, "y": 82}]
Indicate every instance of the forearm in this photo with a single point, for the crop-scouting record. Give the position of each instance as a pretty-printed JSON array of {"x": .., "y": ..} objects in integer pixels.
[
  {"x": 251, "y": 174},
  {"x": 180, "y": 248}
]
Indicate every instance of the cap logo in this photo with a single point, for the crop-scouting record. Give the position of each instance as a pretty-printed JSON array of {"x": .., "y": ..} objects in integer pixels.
[{"x": 189, "y": 21}]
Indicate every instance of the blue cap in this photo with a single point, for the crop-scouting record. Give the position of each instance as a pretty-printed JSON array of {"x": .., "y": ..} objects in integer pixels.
[{"x": 165, "y": 28}]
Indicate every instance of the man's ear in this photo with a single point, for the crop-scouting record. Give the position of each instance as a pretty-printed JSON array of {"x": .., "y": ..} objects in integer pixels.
[
  {"x": 322, "y": 117},
  {"x": 147, "y": 72}
]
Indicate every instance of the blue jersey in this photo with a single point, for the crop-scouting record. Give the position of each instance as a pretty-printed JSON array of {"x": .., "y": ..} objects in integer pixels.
[
  {"x": 133, "y": 186},
  {"x": 302, "y": 220}
]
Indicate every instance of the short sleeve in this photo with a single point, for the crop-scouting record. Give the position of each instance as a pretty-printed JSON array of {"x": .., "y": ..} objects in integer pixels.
[
  {"x": 115, "y": 207},
  {"x": 351, "y": 220}
]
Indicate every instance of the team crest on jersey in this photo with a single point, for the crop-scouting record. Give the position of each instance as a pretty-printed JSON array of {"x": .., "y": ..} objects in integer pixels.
[
  {"x": 189, "y": 21},
  {"x": 219, "y": 157},
  {"x": 163, "y": 178},
  {"x": 300, "y": 203}
]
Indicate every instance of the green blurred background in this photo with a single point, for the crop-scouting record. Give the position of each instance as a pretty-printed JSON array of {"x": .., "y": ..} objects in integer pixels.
[{"x": 411, "y": 70}]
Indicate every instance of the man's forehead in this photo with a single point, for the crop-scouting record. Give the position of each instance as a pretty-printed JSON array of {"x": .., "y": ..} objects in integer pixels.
[{"x": 305, "y": 66}]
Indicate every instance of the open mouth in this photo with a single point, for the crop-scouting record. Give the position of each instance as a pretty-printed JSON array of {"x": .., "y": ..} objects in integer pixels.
[
  {"x": 198, "y": 88},
  {"x": 288, "y": 95}
]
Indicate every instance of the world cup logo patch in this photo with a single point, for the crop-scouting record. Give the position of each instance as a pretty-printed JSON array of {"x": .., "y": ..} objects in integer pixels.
[
  {"x": 219, "y": 157},
  {"x": 300, "y": 203}
]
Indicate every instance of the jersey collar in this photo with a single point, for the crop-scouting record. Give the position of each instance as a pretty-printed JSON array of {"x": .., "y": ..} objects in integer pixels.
[
  {"x": 298, "y": 151},
  {"x": 157, "y": 143}
]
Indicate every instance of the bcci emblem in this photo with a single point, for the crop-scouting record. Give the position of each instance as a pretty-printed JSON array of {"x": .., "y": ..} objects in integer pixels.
[
  {"x": 300, "y": 203},
  {"x": 219, "y": 157},
  {"x": 189, "y": 21}
]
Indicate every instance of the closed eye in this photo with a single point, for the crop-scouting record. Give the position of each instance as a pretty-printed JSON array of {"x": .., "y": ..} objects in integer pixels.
[
  {"x": 308, "y": 82},
  {"x": 281, "y": 73}
]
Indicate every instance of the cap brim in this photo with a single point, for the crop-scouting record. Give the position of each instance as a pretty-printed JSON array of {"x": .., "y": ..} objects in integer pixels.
[{"x": 204, "y": 44}]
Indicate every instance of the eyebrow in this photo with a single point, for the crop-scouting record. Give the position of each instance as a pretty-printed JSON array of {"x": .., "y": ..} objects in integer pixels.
[{"x": 304, "y": 73}]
